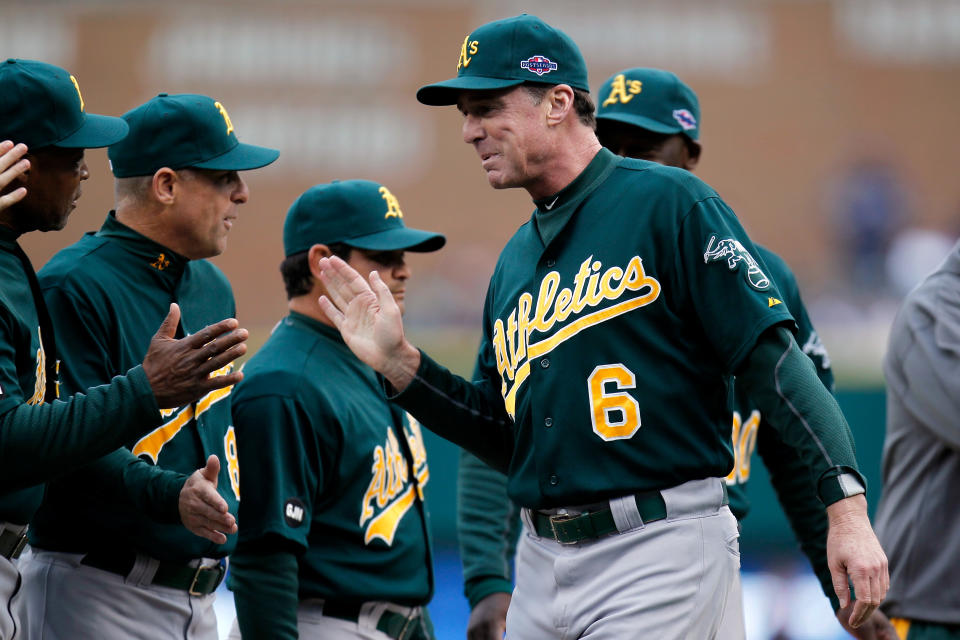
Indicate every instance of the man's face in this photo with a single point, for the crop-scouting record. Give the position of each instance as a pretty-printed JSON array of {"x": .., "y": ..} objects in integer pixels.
[
  {"x": 672, "y": 150},
  {"x": 206, "y": 208},
  {"x": 505, "y": 127},
  {"x": 391, "y": 266},
  {"x": 53, "y": 188}
]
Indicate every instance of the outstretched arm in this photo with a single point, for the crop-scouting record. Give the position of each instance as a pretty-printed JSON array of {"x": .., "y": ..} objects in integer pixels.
[
  {"x": 781, "y": 380},
  {"x": 471, "y": 415}
]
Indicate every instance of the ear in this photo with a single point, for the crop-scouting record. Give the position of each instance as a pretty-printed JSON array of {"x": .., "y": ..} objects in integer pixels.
[
  {"x": 164, "y": 185},
  {"x": 559, "y": 101},
  {"x": 693, "y": 155},
  {"x": 314, "y": 254}
]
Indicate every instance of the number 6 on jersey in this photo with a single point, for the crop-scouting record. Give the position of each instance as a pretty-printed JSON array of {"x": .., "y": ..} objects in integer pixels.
[{"x": 615, "y": 415}]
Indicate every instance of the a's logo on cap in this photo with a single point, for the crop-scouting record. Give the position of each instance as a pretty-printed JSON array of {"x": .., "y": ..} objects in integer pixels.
[
  {"x": 467, "y": 51},
  {"x": 685, "y": 118},
  {"x": 622, "y": 91},
  {"x": 538, "y": 65},
  {"x": 226, "y": 116},
  {"x": 393, "y": 205},
  {"x": 76, "y": 85}
]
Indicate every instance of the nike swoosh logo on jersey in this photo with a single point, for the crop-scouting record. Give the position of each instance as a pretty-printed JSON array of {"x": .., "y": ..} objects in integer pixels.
[{"x": 550, "y": 206}]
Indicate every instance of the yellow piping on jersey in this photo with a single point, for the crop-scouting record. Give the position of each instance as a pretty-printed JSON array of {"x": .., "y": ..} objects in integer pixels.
[{"x": 152, "y": 443}]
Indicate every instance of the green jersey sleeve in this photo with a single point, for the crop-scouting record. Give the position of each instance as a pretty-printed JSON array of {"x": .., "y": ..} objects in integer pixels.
[
  {"x": 83, "y": 341},
  {"x": 488, "y": 525},
  {"x": 284, "y": 474},
  {"x": 727, "y": 286}
]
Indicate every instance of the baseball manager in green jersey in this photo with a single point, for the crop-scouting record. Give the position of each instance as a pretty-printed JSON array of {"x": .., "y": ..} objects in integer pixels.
[
  {"x": 113, "y": 558},
  {"x": 334, "y": 536},
  {"x": 651, "y": 114},
  {"x": 608, "y": 341},
  {"x": 43, "y": 112}
]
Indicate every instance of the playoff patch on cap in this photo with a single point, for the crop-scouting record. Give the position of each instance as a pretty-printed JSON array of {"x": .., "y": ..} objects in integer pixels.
[
  {"x": 650, "y": 99},
  {"x": 507, "y": 53}
]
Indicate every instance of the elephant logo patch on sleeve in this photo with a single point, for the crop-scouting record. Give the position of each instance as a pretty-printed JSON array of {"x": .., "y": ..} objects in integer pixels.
[{"x": 734, "y": 254}]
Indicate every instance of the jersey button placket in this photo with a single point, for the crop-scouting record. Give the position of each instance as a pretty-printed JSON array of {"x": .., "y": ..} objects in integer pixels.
[
  {"x": 545, "y": 363},
  {"x": 548, "y": 422},
  {"x": 554, "y": 480}
]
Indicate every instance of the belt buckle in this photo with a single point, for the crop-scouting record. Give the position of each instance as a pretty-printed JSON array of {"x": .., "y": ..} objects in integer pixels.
[
  {"x": 193, "y": 583},
  {"x": 560, "y": 517},
  {"x": 196, "y": 578},
  {"x": 18, "y": 548}
]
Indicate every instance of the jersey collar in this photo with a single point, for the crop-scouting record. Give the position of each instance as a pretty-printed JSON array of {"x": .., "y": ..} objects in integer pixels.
[
  {"x": 555, "y": 211},
  {"x": 152, "y": 255}
]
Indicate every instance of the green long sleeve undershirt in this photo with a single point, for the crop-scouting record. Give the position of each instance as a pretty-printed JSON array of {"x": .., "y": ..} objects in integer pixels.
[
  {"x": 40, "y": 442},
  {"x": 782, "y": 382},
  {"x": 265, "y": 589}
]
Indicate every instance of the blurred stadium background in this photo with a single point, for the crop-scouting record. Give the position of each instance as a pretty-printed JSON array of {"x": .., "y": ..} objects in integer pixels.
[{"x": 829, "y": 126}]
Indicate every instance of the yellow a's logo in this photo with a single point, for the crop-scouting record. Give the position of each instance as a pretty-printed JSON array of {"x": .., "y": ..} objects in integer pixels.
[
  {"x": 40, "y": 381},
  {"x": 226, "y": 116},
  {"x": 622, "y": 90},
  {"x": 160, "y": 263},
  {"x": 467, "y": 50},
  {"x": 393, "y": 205},
  {"x": 76, "y": 85}
]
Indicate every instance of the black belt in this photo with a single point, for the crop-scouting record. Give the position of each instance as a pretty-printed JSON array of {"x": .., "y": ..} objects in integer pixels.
[
  {"x": 12, "y": 544},
  {"x": 396, "y": 625},
  {"x": 570, "y": 529},
  {"x": 197, "y": 581}
]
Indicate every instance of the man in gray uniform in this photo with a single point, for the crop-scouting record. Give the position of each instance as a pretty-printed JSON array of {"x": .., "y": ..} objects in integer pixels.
[{"x": 918, "y": 522}]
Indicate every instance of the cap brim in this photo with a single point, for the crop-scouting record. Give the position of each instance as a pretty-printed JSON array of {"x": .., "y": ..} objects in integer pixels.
[
  {"x": 241, "y": 158},
  {"x": 445, "y": 93},
  {"x": 96, "y": 131},
  {"x": 399, "y": 239},
  {"x": 642, "y": 122}
]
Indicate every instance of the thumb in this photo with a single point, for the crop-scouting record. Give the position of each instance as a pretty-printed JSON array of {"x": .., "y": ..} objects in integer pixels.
[
  {"x": 168, "y": 328},
  {"x": 211, "y": 472},
  {"x": 840, "y": 586}
]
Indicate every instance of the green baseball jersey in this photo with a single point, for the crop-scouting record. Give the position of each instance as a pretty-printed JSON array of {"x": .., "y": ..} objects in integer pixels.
[
  {"x": 107, "y": 295},
  {"x": 332, "y": 468},
  {"x": 488, "y": 524},
  {"x": 747, "y": 420},
  {"x": 613, "y": 322},
  {"x": 40, "y": 439}
]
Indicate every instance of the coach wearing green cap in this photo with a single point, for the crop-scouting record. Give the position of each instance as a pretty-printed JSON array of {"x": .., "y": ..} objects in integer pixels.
[
  {"x": 653, "y": 115},
  {"x": 45, "y": 129},
  {"x": 119, "y": 551},
  {"x": 334, "y": 536},
  {"x": 608, "y": 342}
]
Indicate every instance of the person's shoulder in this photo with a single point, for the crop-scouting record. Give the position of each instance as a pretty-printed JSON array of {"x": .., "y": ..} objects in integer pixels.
[
  {"x": 210, "y": 274},
  {"x": 652, "y": 175},
  {"x": 65, "y": 262},
  {"x": 292, "y": 362},
  {"x": 777, "y": 266}
]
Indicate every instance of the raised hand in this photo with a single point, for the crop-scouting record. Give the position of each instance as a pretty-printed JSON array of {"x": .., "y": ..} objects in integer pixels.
[
  {"x": 12, "y": 165},
  {"x": 203, "y": 511},
  {"x": 369, "y": 320},
  {"x": 853, "y": 550},
  {"x": 179, "y": 370}
]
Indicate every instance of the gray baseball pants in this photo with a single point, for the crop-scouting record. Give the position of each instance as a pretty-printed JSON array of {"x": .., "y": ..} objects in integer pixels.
[
  {"x": 666, "y": 579},
  {"x": 65, "y": 600}
]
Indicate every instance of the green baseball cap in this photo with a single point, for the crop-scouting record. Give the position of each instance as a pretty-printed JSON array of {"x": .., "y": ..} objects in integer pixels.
[
  {"x": 41, "y": 106},
  {"x": 183, "y": 131},
  {"x": 360, "y": 213},
  {"x": 509, "y": 52},
  {"x": 651, "y": 99}
]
